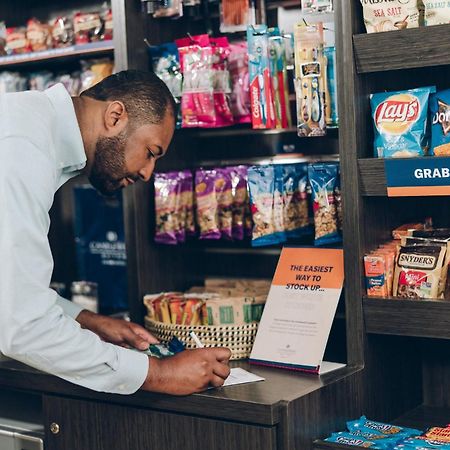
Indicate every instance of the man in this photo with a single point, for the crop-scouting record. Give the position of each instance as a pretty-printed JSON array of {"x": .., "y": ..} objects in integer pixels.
[{"x": 115, "y": 132}]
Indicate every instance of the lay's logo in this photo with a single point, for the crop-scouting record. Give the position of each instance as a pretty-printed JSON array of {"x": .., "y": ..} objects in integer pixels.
[{"x": 397, "y": 114}]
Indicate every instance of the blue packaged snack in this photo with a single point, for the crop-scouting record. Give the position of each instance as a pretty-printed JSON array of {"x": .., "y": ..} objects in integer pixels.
[
  {"x": 400, "y": 122},
  {"x": 331, "y": 109},
  {"x": 363, "y": 424},
  {"x": 440, "y": 123},
  {"x": 323, "y": 179},
  {"x": 295, "y": 200},
  {"x": 265, "y": 204},
  {"x": 346, "y": 438}
]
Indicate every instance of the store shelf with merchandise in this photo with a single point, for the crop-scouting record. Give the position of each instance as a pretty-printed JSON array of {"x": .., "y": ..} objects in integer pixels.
[{"x": 61, "y": 55}]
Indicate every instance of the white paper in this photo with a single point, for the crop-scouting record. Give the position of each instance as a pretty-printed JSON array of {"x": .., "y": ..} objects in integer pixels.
[{"x": 241, "y": 376}]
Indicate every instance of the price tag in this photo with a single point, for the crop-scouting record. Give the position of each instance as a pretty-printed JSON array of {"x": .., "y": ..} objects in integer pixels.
[{"x": 417, "y": 177}]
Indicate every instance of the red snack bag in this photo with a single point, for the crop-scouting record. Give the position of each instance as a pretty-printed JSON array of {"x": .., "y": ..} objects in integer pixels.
[
  {"x": 107, "y": 18},
  {"x": 38, "y": 35},
  {"x": 87, "y": 27},
  {"x": 16, "y": 41},
  {"x": 62, "y": 32}
]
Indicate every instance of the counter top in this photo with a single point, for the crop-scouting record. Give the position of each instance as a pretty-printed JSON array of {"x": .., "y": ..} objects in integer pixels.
[{"x": 257, "y": 403}]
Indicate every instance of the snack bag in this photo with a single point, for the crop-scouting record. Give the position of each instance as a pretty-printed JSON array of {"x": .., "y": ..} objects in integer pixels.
[
  {"x": 400, "y": 122},
  {"x": 167, "y": 207},
  {"x": 17, "y": 41},
  {"x": 62, "y": 32},
  {"x": 441, "y": 434},
  {"x": 422, "y": 443},
  {"x": 346, "y": 438},
  {"x": 437, "y": 12},
  {"x": 2, "y": 38},
  {"x": 239, "y": 194},
  {"x": 278, "y": 206},
  {"x": 261, "y": 183},
  {"x": 322, "y": 178},
  {"x": 376, "y": 270},
  {"x": 107, "y": 19},
  {"x": 364, "y": 424},
  {"x": 207, "y": 206},
  {"x": 224, "y": 196},
  {"x": 418, "y": 271},
  {"x": 295, "y": 199},
  {"x": 87, "y": 27},
  {"x": 440, "y": 123},
  {"x": 38, "y": 35},
  {"x": 94, "y": 70},
  {"x": 187, "y": 220},
  {"x": 316, "y": 6},
  {"x": 331, "y": 106},
  {"x": 392, "y": 15}
]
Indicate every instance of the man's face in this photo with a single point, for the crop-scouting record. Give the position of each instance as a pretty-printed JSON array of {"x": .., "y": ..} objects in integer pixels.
[{"x": 123, "y": 159}]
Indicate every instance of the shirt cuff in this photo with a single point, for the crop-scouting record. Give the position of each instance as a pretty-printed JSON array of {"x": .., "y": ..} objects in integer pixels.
[
  {"x": 70, "y": 309},
  {"x": 131, "y": 372}
]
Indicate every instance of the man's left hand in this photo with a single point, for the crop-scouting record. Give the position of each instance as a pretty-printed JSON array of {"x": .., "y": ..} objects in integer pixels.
[{"x": 116, "y": 331}]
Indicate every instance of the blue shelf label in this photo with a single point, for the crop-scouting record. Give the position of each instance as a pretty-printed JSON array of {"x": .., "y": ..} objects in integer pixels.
[{"x": 416, "y": 177}]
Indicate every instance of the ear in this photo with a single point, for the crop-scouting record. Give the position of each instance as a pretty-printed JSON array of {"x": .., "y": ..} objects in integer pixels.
[{"x": 115, "y": 118}]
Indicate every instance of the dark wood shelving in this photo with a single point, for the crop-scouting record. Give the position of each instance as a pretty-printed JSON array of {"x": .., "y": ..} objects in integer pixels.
[
  {"x": 418, "y": 318},
  {"x": 372, "y": 177},
  {"x": 74, "y": 51},
  {"x": 403, "y": 49}
]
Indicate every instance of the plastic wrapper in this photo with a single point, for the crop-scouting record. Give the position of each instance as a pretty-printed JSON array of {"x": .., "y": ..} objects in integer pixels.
[
  {"x": 310, "y": 79},
  {"x": 239, "y": 194},
  {"x": 62, "y": 32},
  {"x": 261, "y": 89},
  {"x": 278, "y": 72},
  {"x": 240, "y": 89},
  {"x": 364, "y": 424},
  {"x": 39, "y": 35},
  {"x": 107, "y": 19},
  {"x": 440, "y": 123},
  {"x": 197, "y": 103},
  {"x": 16, "y": 41},
  {"x": 392, "y": 15},
  {"x": 166, "y": 65},
  {"x": 338, "y": 199},
  {"x": 3, "y": 34},
  {"x": 265, "y": 206},
  {"x": 221, "y": 81},
  {"x": 437, "y": 12},
  {"x": 170, "y": 8},
  {"x": 88, "y": 27},
  {"x": 295, "y": 200},
  {"x": 39, "y": 81},
  {"x": 95, "y": 70},
  {"x": 400, "y": 122},
  {"x": 316, "y": 6},
  {"x": 235, "y": 15},
  {"x": 331, "y": 108},
  {"x": 167, "y": 208},
  {"x": 322, "y": 178},
  {"x": 224, "y": 195},
  {"x": 207, "y": 206},
  {"x": 187, "y": 202}
]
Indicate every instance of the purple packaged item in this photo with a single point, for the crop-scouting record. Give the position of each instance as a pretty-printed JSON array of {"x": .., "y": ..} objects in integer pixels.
[
  {"x": 187, "y": 203},
  {"x": 207, "y": 208},
  {"x": 240, "y": 200},
  {"x": 166, "y": 207},
  {"x": 224, "y": 202}
]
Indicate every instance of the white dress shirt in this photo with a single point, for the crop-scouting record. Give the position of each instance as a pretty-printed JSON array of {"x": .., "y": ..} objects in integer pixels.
[{"x": 40, "y": 149}]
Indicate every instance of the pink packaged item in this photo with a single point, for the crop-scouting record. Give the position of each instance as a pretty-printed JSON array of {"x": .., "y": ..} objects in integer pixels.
[
  {"x": 221, "y": 79},
  {"x": 197, "y": 102},
  {"x": 240, "y": 89}
]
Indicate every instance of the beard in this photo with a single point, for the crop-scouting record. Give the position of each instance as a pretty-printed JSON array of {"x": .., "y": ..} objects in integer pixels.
[{"x": 108, "y": 169}]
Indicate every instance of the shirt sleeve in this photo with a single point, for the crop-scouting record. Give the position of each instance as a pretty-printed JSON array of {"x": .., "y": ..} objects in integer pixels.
[
  {"x": 33, "y": 326},
  {"x": 70, "y": 308}
]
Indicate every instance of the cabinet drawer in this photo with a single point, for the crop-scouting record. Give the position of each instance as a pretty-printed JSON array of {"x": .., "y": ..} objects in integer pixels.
[{"x": 80, "y": 425}]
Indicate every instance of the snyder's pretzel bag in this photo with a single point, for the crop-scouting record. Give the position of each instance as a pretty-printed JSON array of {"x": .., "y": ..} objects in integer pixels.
[
  {"x": 390, "y": 15},
  {"x": 437, "y": 12},
  {"x": 400, "y": 122},
  {"x": 440, "y": 123},
  {"x": 418, "y": 271}
]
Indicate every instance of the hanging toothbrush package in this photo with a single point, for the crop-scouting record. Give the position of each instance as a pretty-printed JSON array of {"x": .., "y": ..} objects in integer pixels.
[
  {"x": 278, "y": 72},
  {"x": 310, "y": 79},
  {"x": 261, "y": 93}
]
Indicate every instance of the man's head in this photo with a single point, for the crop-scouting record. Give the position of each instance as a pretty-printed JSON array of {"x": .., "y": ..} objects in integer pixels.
[{"x": 130, "y": 116}]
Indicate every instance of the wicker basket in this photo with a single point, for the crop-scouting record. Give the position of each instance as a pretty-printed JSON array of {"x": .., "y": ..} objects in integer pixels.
[{"x": 239, "y": 339}]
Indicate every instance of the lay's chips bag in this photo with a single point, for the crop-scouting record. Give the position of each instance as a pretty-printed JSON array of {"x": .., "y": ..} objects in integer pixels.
[{"x": 400, "y": 122}]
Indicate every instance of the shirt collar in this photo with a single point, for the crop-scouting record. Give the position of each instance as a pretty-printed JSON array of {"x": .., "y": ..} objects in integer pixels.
[{"x": 70, "y": 154}]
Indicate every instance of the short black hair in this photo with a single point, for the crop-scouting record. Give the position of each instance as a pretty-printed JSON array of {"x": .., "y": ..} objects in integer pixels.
[{"x": 145, "y": 96}]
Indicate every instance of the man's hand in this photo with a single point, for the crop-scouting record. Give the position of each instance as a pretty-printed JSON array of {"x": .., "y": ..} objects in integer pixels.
[
  {"x": 189, "y": 371},
  {"x": 117, "y": 331}
]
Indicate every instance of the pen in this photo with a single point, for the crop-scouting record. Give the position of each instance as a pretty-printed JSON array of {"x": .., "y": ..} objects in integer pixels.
[{"x": 197, "y": 341}]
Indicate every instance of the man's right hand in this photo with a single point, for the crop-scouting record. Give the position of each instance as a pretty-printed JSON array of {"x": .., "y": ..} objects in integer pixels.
[{"x": 189, "y": 371}]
